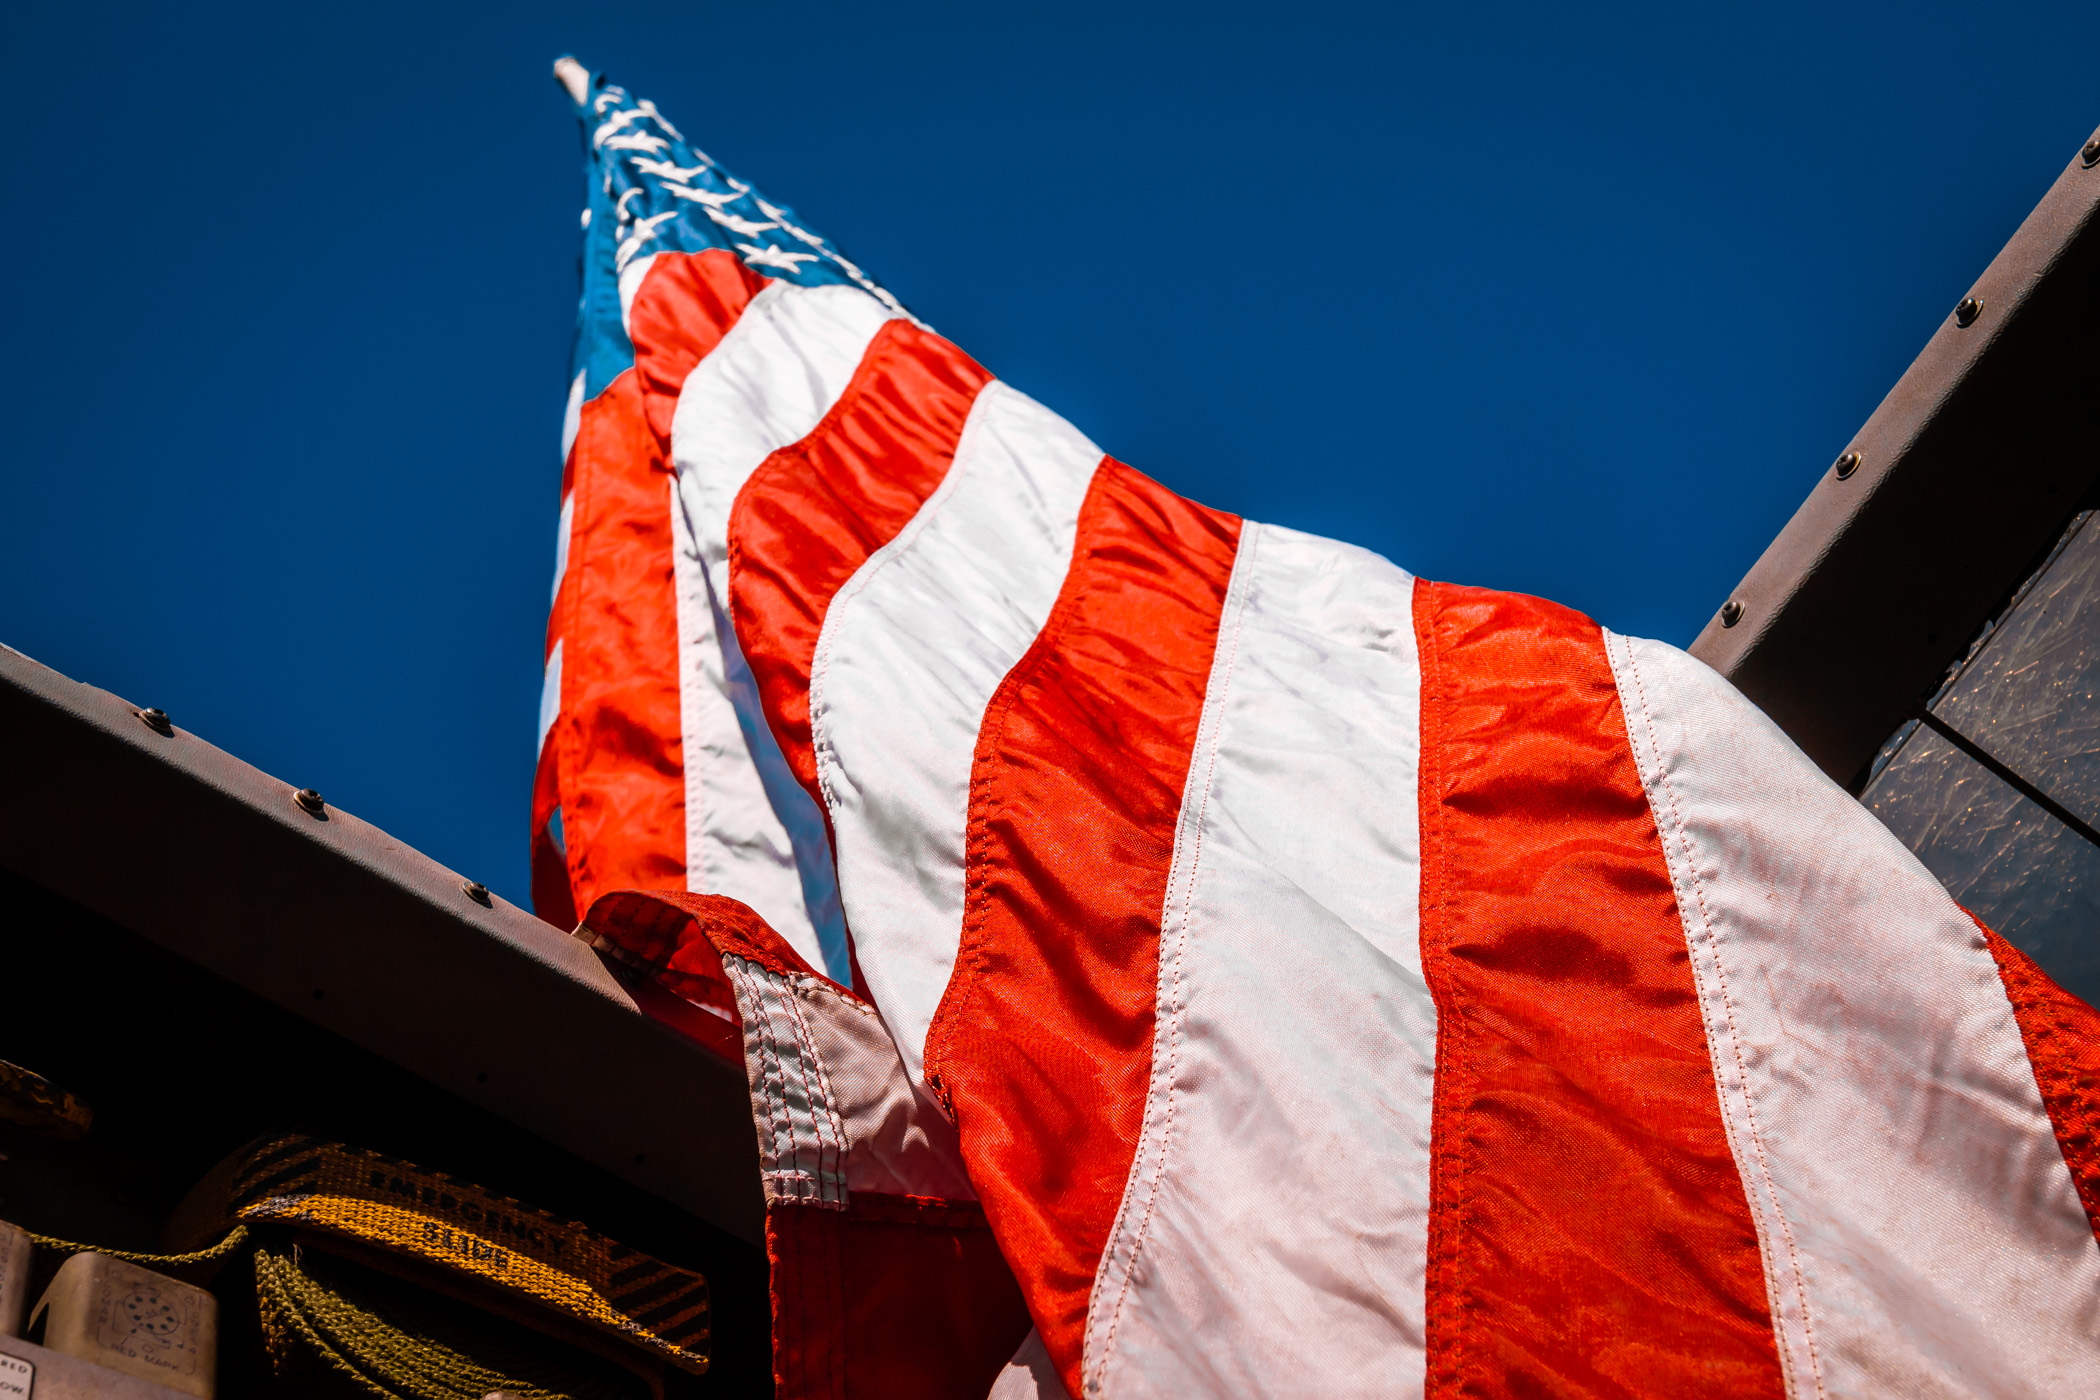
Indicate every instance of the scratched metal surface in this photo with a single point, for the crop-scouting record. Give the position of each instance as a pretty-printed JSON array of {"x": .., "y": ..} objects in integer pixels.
[
  {"x": 2003, "y": 858},
  {"x": 2029, "y": 695}
]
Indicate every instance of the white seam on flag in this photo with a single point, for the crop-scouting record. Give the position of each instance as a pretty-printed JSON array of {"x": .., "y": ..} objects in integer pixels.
[
  {"x": 1126, "y": 1238},
  {"x": 898, "y": 1142},
  {"x": 1786, "y": 1289},
  {"x": 752, "y": 833},
  {"x": 833, "y": 1109},
  {"x": 802, "y": 1143},
  {"x": 1295, "y": 1037},
  {"x": 550, "y": 694},
  {"x": 911, "y": 652},
  {"x": 1921, "y": 1232}
]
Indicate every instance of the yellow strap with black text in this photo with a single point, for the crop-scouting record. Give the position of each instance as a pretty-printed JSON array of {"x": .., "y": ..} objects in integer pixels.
[{"x": 383, "y": 1201}]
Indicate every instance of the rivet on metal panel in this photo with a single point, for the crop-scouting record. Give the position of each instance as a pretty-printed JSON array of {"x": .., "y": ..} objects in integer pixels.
[
  {"x": 1847, "y": 464},
  {"x": 477, "y": 892},
  {"x": 157, "y": 721},
  {"x": 310, "y": 802},
  {"x": 1731, "y": 612},
  {"x": 1966, "y": 313},
  {"x": 2091, "y": 153}
]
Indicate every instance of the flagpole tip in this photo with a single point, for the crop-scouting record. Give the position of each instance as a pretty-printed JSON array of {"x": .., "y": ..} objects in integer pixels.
[{"x": 574, "y": 77}]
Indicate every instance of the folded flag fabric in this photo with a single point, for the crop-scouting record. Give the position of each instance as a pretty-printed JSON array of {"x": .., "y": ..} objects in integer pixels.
[{"x": 1174, "y": 955}]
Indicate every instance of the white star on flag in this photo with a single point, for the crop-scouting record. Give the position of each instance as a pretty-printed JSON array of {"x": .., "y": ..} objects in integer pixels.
[
  {"x": 636, "y": 141},
  {"x": 617, "y": 122},
  {"x": 668, "y": 170},
  {"x": 743, "y": 226},
  {"x": 644, "y": 231},
  {"x": 773, "y": 257},
  {"x": 713, "y": 199}
]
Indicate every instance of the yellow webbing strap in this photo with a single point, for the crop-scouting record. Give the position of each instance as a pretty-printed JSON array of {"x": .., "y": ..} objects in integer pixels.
[
  {"x": 397, "y": 1206},
  {"x": 328, "y": 1336}
]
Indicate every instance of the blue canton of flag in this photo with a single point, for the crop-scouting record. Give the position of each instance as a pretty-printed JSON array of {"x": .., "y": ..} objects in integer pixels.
[{"x": 651, "y": 191}]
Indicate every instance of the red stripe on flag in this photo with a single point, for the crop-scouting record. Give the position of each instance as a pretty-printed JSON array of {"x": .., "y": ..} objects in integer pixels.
[
  {"x": 684, "y": 307},
  {"x": 2062, "y": 1036},
  {"x": 1589, "y": 1234},
  {"x": 891, "y": 1296},
  {"x": 813, "y": 512},
  {"x": 1042, "y": 1045},
  {"x": 894, "y": 1296},
  {"x": 621, "y": 766},
  {"x": 617, "y": 742}
]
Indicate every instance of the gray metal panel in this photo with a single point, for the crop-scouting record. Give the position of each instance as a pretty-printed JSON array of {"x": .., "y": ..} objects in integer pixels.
[
  {"x": 1966, "y": 472},
  {"x": 342, "y": 924},
  {"x": 2003, "y": 858},
  {"x": 1998, "y": 790},
  {"x": 2031, "y": 695}
]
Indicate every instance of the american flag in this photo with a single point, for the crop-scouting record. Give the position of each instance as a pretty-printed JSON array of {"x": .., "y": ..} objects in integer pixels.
[{"x": 1174, "y": 955}]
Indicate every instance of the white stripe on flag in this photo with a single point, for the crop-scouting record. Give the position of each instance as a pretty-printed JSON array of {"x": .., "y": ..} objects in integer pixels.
[
  {"x": 630, "y": 283},
  {"x": 912, "y": 649},
  {"x": 752, "y": 832},
  {"x": 1921, "y": 1232},
  {"x": 562, "y": 529},
  {"x": 1275, "y": 1226},
  {"x": 1030, "y": 1375},
  {"x": 772, "y": 379},
  {"x": 572, "y": 418},
  {"x": 550, "y": 694}
]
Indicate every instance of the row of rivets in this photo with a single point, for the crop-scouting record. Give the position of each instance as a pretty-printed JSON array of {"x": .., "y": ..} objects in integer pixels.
[
  {"x": 308, "y": 801},
  {"x": 1965, "y": 315},
  {"x": 313, "y": 804}
]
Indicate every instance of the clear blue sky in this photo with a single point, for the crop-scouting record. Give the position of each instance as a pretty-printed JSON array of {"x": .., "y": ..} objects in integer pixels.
[{"x": 1524, "y": 297}]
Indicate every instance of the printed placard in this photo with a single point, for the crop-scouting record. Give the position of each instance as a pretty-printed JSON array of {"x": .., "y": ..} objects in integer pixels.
[{"x": 16, "y": 1377}]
